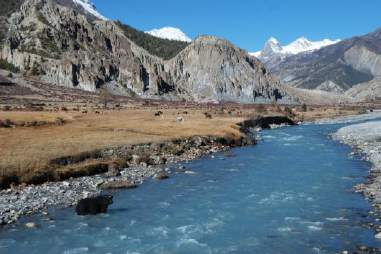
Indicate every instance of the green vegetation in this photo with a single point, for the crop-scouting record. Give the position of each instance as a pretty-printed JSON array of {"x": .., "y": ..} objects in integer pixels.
[
  {"x": 163, "y": 48},
  {"x": 37, "y": 70},
  {"x": 289, "y": 112},
  {"x": 5, "y": 65},
  {"x": 42, "y": 19},
  {"x": 8, "y": 7},
  {"x": 50, "y": 45},
  {"x": 304, "y": 107}
]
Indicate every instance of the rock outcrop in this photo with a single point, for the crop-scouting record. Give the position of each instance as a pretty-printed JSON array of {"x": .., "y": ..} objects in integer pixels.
[
  {"x": 64, "y": 47},
  {"x": 214, "y": 69},
  {"x": 265, "y": 122}
]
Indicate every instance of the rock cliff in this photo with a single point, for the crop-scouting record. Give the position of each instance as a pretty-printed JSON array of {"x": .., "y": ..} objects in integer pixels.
[{"x": 61, "y": 45}]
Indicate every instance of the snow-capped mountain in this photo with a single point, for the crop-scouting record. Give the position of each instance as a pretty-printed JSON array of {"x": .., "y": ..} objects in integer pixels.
[
  {"x": 274, "y": 48},
  {"x": 170, "y": 33},
  {"x": 89, "y": 7}
]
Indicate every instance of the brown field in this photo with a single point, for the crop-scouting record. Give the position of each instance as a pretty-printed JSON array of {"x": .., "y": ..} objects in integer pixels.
[
  {"x": 49, "y": 122},
  {"x": 27, "y": 149}
]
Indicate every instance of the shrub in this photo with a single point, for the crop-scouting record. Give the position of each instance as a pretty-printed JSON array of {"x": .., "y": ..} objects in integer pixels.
[
  {"x": 105, "y": 97},
  {"x": 60, "y": 121},
  {"x": 6, "y": 123},
  {"x": 5, "y": 65},
  {"x": 260, "y": 108},
  {"x": 289, "y": 112},
  {"x": 304, "y": 107},
  {"x": 7, "y": 108}
]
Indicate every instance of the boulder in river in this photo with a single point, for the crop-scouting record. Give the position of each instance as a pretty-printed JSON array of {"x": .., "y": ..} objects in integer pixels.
[
  {"x": 161, "y": 175},
  {"x": 93, "y": 205},
  {"x": 30, "y": 225},
  {"x": 118, "y": 184}
]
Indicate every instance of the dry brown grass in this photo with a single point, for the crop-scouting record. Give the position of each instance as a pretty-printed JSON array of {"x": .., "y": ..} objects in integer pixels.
[
  {"x": 314, "y": 113},
  {"x": 25, "y": 149}
]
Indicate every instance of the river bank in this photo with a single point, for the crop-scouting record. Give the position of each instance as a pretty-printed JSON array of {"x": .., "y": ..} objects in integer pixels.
[
  {"x": 130, "y": 166},
  {"x": 255, "y": 199},
  {"x": 157, "y": 160},
  {"x": 141, "y": 162},
  {"x": 365, "y": 138}
]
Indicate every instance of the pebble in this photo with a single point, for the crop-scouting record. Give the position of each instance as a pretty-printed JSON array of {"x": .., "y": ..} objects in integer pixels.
[{"x": 365, "y": 139}]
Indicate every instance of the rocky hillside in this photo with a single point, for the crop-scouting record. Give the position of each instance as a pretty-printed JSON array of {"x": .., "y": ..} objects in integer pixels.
[
  {"x": 59, "y": 44},
  {"x": 352, "y": 65},
  {"x": 7, "y": 8}
]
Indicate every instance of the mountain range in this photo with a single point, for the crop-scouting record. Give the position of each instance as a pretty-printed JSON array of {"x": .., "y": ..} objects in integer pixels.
[
  {"x": 69, "y": 43},
  {"x": 273, "y": 48},
  {"x": 351, "y": 67},
  {"x": 64, "y": 43}
]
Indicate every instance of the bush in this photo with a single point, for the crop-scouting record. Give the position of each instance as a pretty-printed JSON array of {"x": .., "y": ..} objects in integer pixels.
[
  {"x": 304, "y": 108},
  {"x": 6, "y": 123},
  {"x": 289, "y": 112},
  {"x": 260, "y": 108},
  {"x": 60, "y": 121},
  {"x": 105, "y": 97},
  {"x": 8, "y": 7},
  {"x": 5, "y": 65}
]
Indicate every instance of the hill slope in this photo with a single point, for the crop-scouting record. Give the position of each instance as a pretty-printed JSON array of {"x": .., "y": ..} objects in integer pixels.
[{"x": 67, "y": 48}]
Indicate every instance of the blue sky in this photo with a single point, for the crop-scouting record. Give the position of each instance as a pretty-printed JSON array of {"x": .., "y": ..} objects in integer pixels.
[{"x": 249, "y": 23}]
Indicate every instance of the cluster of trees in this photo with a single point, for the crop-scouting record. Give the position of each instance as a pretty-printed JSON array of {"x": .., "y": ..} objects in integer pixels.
[
  {"x": 9, "y": 6},
  {"x": 6, "y": 9},
  {"x": 8, "y": 66},
  {"x": 163, "y": 48}
]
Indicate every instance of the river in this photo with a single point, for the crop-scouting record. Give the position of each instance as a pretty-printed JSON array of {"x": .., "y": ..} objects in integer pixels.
[{"x": 291, "y": 193}]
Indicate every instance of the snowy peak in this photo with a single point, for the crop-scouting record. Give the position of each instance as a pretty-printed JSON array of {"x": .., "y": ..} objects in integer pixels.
[
  {"x": 272, "y": 40},
  {"x": 272, "y": 47},
  {"x": 89, "y": 7},
  {"x": 170, "y": 33},
  {"x": 302, "y": 44}
]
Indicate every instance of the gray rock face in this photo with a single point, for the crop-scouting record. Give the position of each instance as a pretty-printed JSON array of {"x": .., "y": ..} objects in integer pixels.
[
  {"x": 335, "y": 68},
  {"x": 214, "y": 69},
  {"x": 330, "y": 86},
  {"x": 64, "y": 47},
  {"x": 369, "y": 91}
]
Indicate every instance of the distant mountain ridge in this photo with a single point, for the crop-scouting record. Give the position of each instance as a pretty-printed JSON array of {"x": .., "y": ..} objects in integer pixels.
[
  {"x": 170, "y": 33},
  {"x": 350, "y": 66},
  {"x": 273, "y": 48}
]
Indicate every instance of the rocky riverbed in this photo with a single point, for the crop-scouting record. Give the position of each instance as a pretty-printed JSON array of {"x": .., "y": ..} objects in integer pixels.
[
  {"x": 141, "y": 161},
  {"x": 25, "y": 200},
  {"x": 365, "y": 138}
]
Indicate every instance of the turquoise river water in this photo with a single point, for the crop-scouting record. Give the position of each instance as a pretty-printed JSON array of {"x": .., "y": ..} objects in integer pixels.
[{"x": 291, "y": 193}]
